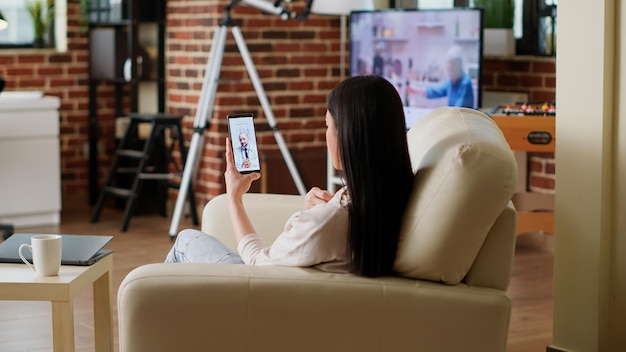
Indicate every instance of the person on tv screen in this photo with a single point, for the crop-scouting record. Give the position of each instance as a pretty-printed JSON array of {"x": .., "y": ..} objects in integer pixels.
[
  {"x": 458, "y": 86},
  {"x": 379, "y": 64}
]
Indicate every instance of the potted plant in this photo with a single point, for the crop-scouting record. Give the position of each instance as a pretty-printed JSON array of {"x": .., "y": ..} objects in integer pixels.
[
  {"x": 84, "y": 9},
  {"x": 498, "y": 20},
  {"x": 42, "y": 15}
]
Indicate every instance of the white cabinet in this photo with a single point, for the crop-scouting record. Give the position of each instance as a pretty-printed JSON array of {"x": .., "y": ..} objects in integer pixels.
[{"x": 30, "y": 167}]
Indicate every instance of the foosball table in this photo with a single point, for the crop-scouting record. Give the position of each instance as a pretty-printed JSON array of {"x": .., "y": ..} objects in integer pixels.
[{"x": 530, "y": 127}]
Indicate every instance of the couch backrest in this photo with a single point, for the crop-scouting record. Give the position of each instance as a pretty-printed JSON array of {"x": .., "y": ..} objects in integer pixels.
[{"x": 465, "y": 177}]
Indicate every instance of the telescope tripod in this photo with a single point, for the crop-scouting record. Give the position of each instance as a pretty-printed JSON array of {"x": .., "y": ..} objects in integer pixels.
[{"x": 205, "y": 112}]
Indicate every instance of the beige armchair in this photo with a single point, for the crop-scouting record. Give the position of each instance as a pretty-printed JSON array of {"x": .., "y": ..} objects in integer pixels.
[{"x": 453, "y": 268}]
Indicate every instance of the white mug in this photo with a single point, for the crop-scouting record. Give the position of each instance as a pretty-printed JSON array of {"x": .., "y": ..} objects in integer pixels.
[{"x": 46, "y": 251}]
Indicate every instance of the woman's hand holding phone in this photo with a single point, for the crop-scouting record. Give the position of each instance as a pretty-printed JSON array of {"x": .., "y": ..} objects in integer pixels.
[{"x": 237, "y": 184}]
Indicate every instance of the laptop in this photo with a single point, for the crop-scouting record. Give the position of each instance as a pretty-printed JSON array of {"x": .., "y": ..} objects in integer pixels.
[{"x": 76, "y": 249}]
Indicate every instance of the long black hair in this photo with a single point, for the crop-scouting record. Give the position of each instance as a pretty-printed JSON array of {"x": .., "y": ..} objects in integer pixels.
[{"x": 371, "y": 128}]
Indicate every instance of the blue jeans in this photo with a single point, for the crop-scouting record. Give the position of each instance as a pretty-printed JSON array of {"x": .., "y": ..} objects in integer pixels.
[{"x": 193, "y": 246}]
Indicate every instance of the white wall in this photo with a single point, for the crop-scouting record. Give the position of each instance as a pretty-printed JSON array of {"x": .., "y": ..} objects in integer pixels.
[{"x": 590, "y": 248}]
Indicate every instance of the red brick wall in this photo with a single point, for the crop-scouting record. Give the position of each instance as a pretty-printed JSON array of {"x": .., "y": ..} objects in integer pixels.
[
  {"x": 535, "y": 76},
  {"x": 541, "y": 172},
  {"x": 298, "y": 63}
]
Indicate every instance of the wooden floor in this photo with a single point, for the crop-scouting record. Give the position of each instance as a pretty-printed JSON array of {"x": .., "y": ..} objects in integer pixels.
[{"x": 26, "y": 326}]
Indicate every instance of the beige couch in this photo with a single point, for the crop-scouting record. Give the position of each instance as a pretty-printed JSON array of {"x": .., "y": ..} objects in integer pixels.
[{"x": 454, "y": 265}]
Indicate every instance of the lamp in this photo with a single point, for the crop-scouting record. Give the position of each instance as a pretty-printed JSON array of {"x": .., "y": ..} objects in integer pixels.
[
  {"x": 3, "y": 23},
  {"x": 341, "y": 8}
]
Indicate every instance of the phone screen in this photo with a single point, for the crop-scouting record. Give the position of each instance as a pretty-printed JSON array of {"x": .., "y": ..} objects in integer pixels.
[{"x": 243, "y": 142}]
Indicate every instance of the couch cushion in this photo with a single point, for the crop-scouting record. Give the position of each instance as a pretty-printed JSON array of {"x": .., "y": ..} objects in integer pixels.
[{"x": 465, "y": 176}]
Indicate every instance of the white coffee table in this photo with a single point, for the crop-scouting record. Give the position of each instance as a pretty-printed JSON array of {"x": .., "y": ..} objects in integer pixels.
[{"x": 19, "y": 283}]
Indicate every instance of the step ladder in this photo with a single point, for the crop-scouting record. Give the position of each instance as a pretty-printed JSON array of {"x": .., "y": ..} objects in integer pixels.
[{"x": 137, "y": 164}]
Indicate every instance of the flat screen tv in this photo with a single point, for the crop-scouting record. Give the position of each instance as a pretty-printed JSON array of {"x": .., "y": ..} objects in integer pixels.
[{"x": 433, "y": 57}]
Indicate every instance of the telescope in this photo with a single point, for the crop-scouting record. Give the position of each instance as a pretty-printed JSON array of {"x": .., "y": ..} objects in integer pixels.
[{"x": 276, "y": 8}]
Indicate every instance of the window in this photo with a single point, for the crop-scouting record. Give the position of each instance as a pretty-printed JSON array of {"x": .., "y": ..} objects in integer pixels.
[
  {"x": 546, "y": 27},
  {"x": 20, "y": 32},
  {"x": 20, "y": 29}
]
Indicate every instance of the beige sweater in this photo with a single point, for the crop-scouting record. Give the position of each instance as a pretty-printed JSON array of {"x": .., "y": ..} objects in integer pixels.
[{"x": 313, "y": 237}]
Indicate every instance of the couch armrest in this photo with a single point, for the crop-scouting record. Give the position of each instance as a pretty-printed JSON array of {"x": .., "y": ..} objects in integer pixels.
[
  {"x": 228, "y": 307},
  {"x": 494, "y": 264},
  {"x": 268, "y": 213}
]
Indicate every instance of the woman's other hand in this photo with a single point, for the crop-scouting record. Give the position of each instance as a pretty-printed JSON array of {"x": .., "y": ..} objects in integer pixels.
[{"x": 316, "y": 196}]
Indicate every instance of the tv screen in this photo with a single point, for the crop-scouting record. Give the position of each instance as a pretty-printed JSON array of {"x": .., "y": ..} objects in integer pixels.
[{"x": 433, "y": 57}]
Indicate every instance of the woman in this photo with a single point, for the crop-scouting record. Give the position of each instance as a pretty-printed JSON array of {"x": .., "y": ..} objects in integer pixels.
[{"x": 356, "y": 229}]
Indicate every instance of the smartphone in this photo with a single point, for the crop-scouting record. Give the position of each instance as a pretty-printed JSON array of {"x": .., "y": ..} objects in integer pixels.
[{"x": 243, "y": 142}]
